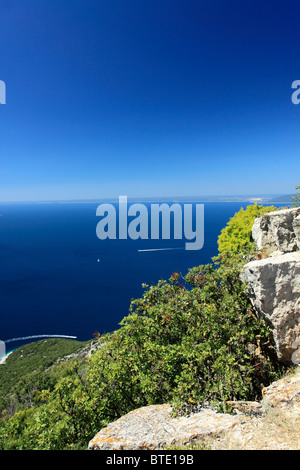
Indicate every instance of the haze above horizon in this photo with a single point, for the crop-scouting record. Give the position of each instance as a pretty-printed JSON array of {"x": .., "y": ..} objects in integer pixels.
[{"x": 268, "y": 199}]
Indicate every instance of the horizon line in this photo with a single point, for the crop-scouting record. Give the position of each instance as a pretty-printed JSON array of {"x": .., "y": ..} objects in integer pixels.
[{"x": 148, "y": 198}]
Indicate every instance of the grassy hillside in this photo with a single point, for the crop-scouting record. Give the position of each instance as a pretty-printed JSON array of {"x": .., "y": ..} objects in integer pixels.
[{"x": 30, "y": 362}]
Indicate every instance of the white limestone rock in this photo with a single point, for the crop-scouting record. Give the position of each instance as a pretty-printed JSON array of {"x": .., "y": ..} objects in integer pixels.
[
  {"x": 296, "y": 228},
  {"x": 274, "y": 289},
  {"x": 153, "y": 427},
  {"x": 278, "y": 230}
]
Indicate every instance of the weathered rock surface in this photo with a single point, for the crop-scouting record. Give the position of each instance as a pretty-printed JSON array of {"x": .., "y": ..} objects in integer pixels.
[
  {"x": 278, "y": 230},
  {"x": 274, "y": 288},
  {"x": 153, "y": 427},
  {"x": 283, "y": 392},
  {"x": 274, "y": 280},
  {"x": 276, "y": 428},
  {"x": 296, "y": 228}
]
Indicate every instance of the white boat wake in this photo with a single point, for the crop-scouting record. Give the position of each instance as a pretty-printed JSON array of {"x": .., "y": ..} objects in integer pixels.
[
  {"x": 161, "y": 249},
  {"x": 23, "y": 338}
]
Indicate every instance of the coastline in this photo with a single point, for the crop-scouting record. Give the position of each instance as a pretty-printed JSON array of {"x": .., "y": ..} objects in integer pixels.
[{"x": 3, "y": 359}]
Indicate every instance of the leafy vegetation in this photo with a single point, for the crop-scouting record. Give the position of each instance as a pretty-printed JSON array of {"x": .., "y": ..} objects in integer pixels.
[
  {"x": 186, "y": 341},
  {"x": 236, "y": 236},
  {"x": 33, "y": 359}
]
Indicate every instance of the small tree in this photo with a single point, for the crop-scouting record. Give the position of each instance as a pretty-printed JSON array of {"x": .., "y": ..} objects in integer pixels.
[{"x": 296, "y": 199}]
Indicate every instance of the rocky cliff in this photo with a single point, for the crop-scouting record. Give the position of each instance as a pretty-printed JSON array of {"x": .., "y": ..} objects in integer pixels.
[
  {"x": 274, "y": 279},
  {"x": 277, "y": 231}
]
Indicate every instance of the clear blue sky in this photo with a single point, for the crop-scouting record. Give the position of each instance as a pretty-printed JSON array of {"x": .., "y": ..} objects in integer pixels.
[{"x": 148, "y": 98}]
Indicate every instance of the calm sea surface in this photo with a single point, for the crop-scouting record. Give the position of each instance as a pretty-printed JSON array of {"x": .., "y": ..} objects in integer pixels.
[{"x": 58, "y": 278}]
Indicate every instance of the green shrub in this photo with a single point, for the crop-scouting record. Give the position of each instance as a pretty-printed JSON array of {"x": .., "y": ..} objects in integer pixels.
[
  {"x": 236, "y": 236},
  {"x": 27, "y": 370},
  {"x": 185, "y": 345}
]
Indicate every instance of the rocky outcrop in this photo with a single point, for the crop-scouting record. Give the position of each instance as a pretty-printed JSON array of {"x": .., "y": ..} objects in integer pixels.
[
  {"x": 153, "y": 427},
  {"x": 278, "y": 230},
  {"x": 296, "y": 228},
  {"x": 274, "y": 288},
  {"x": 274, "y": 280}
]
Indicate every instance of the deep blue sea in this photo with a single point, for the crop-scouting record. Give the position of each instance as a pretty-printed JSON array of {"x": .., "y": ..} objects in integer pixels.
[{"x": 58, "y": 278}]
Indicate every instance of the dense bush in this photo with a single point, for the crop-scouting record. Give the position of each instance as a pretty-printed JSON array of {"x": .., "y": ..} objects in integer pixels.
[
  {"x": 26, "y": 369},
  {"x": 236, "y": 236},
  {"x": 185, "y": 344}
]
